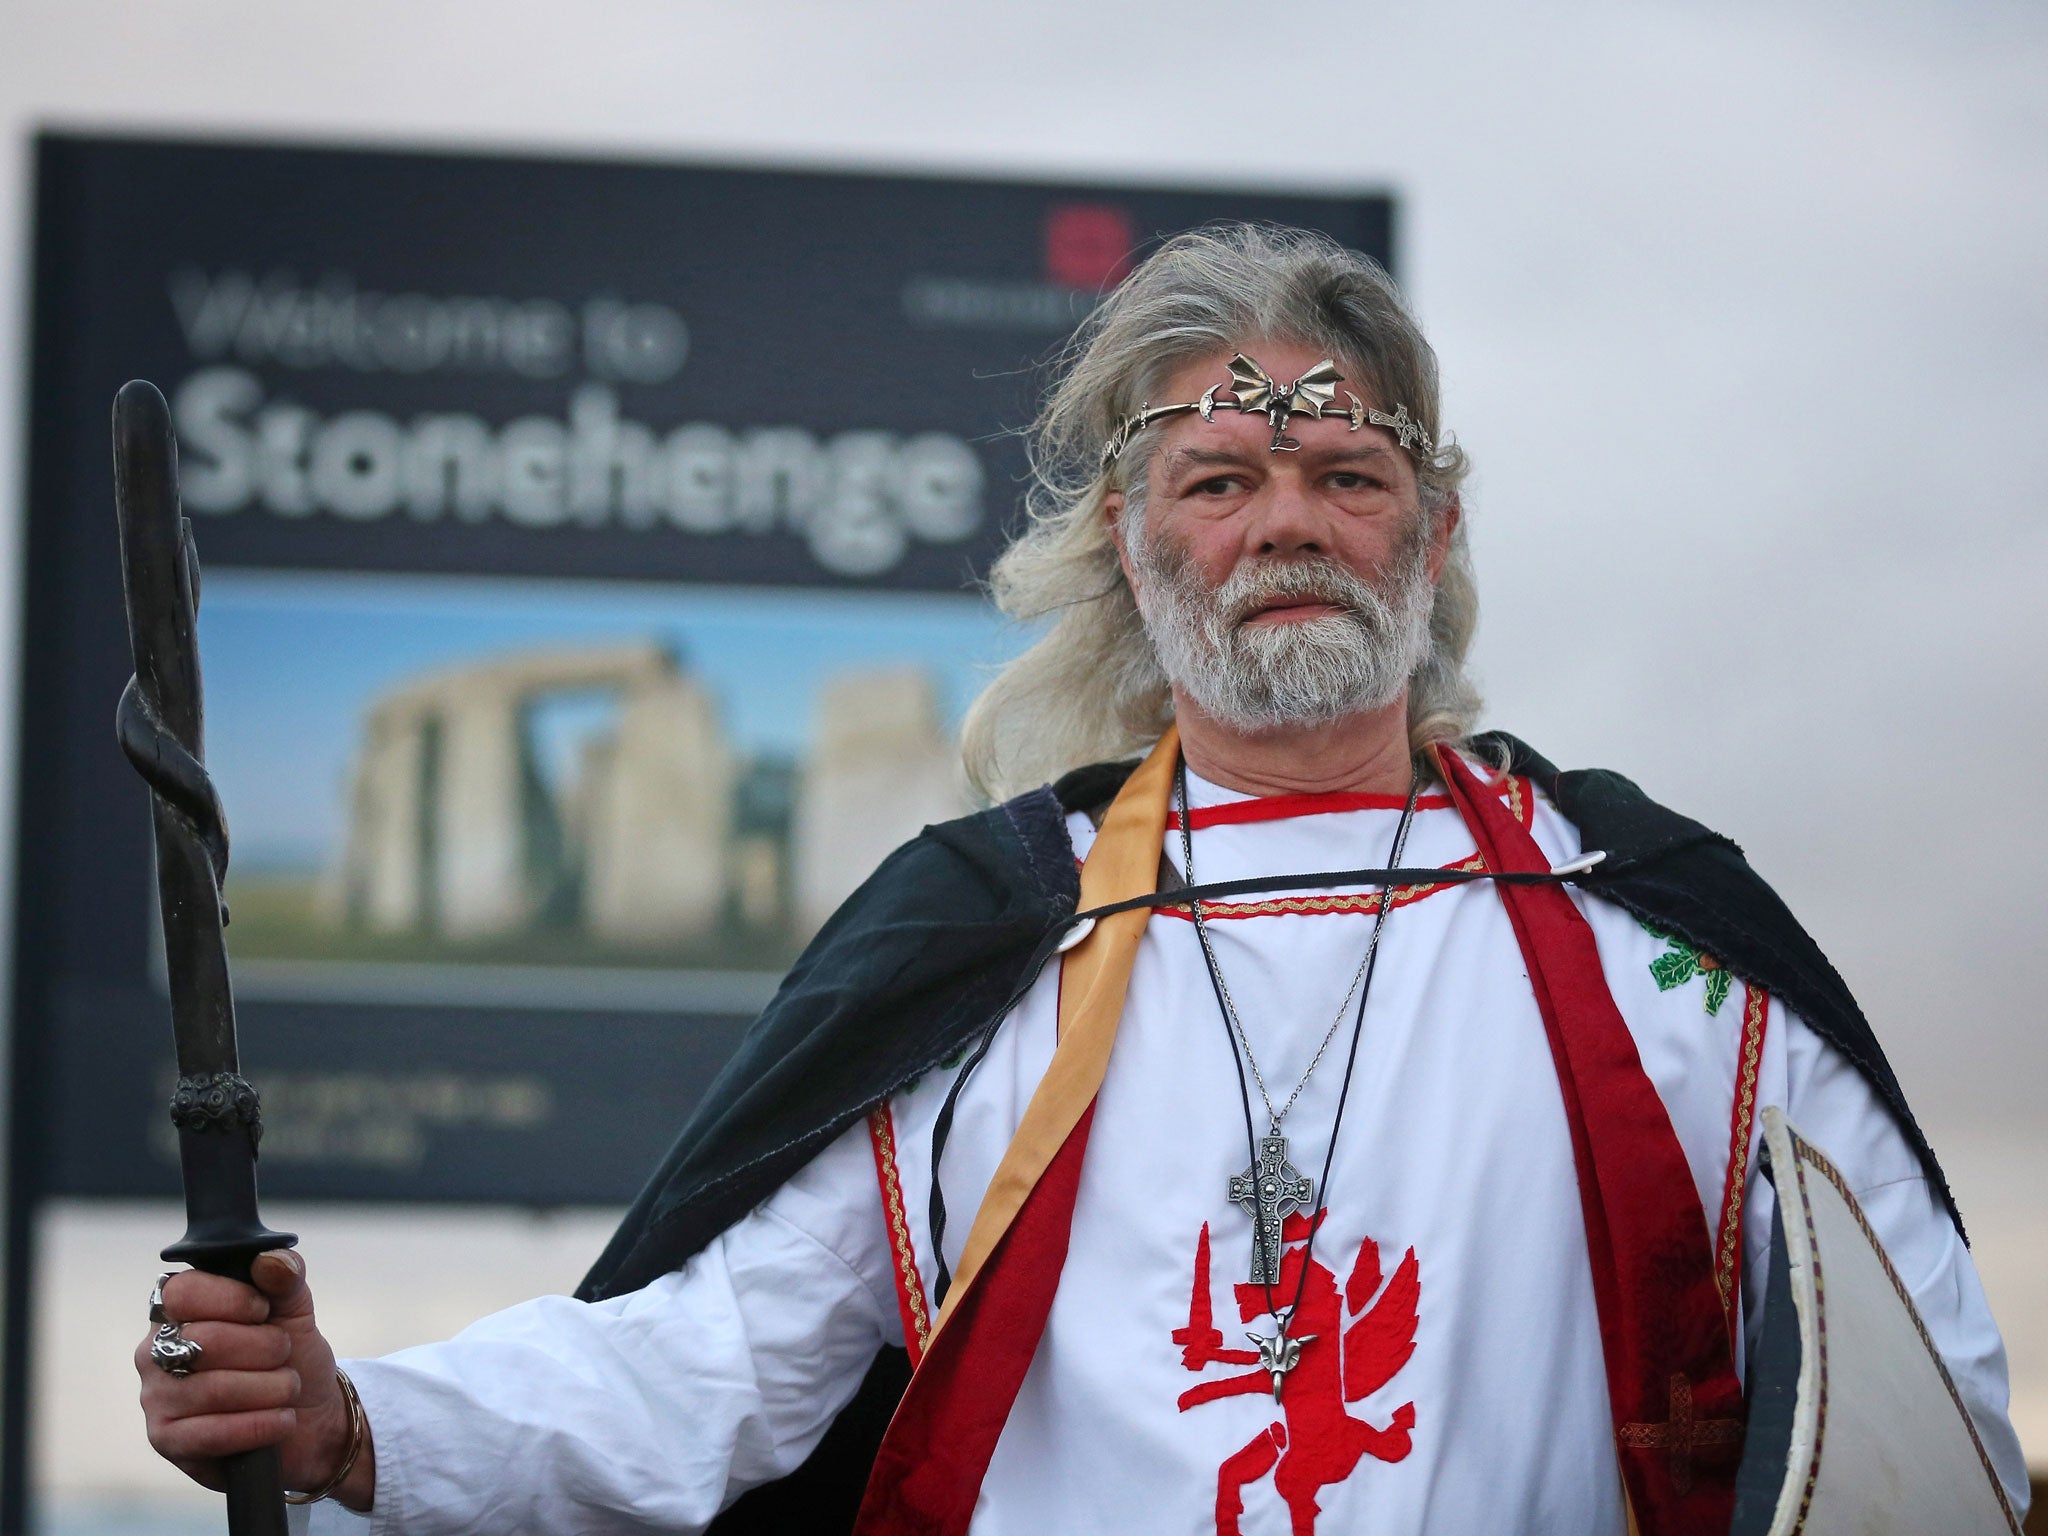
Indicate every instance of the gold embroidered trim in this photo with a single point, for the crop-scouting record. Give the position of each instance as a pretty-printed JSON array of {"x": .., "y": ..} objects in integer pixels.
[
  {"x": 1749, "y": 1062},
  {"x": 909, "y": 1284}
]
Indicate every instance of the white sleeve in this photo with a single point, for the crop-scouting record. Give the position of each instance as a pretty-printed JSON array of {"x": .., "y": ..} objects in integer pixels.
[
  {"x": 651, "y": 1411},
  {"x": 1835, "y": 1108}
]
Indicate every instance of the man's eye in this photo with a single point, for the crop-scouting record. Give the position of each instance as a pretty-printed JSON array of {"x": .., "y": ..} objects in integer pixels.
[
  {"x": 1215, "y": 485},
  {"x": 1345, "y": 480}
]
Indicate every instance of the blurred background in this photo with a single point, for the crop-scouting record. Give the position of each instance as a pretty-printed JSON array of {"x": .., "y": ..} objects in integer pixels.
[{"x": 595, "y": 420}]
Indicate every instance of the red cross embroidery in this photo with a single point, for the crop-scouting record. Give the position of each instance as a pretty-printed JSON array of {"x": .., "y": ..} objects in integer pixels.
[{"x": 1682, "y": 1433}]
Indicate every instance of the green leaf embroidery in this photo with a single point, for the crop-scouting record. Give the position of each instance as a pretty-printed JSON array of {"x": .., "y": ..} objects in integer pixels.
[
  {"x": 1718, "y": 983},
  {"x": 1675, "y": 967},
  {"x": 1680, "y": 962}
]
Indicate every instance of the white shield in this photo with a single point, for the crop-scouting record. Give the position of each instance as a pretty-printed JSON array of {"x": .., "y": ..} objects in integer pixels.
[{"x": 1855, "y": 1428}]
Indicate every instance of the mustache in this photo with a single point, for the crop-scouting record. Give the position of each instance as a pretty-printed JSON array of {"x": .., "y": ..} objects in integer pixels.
[{"x": 1256, "y": 585}]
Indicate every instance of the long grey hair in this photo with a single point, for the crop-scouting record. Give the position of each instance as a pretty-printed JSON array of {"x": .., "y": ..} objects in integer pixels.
[{"x": 1092, "y": 687}]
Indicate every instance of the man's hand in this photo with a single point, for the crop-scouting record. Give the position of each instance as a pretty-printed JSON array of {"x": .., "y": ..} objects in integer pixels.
[{"x": 265, "y": 1376}]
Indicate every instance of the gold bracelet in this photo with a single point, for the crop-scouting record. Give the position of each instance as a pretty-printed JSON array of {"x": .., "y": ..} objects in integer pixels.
[{"x": 357, "y": 1426}]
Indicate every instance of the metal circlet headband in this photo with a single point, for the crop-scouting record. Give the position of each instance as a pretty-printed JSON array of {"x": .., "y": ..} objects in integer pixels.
[{"x": 1314, "y": 395}]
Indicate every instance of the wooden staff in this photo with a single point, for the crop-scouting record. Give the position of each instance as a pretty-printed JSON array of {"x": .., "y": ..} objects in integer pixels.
[{"x": 160, "y": 726}]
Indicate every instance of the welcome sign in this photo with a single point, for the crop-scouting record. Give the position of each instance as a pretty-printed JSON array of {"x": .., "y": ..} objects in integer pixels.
[
  {"x": 591, "y": 557},
  {"x": 857, "y": 498}
]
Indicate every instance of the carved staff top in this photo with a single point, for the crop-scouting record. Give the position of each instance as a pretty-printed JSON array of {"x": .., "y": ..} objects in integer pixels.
[{"x": 161, "y": 726}]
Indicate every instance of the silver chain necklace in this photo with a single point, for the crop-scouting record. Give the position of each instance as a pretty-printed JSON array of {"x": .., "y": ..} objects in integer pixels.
[
  {"x": 1272, "y": 1188},
  {"x": 1276, "y": 1116}
]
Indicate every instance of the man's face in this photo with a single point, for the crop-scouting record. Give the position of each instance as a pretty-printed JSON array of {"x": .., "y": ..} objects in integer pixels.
[{"x": 1281, "y": 588}]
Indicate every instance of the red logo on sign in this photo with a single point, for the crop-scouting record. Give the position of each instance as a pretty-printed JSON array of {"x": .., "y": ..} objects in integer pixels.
[
  {"x": 1314, "y": 1443},
  {"x": 1087, "y": 245}
]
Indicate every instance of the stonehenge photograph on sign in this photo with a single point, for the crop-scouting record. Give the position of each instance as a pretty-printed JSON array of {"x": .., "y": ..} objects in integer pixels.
[{"x": 434, "y": 772}]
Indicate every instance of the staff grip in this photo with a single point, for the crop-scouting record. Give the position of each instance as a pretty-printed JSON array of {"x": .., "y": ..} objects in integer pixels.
[{"x": 255, "y": 1490}]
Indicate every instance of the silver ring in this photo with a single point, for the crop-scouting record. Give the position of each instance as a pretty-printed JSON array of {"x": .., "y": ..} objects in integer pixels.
[
  {"x": 156, "y": 1297},
  {"x": 173, "y": 1353}
]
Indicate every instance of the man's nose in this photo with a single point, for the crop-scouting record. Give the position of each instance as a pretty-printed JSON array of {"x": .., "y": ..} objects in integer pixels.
[{"x": 1287, "y": 520}]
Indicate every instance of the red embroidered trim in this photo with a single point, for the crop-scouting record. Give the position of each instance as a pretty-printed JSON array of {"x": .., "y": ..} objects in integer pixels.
[
  {"x": 1756, "y": 1012},
  {"x": 1315, "y": 906},
  {"x": 929, "y": 1470},
  {"x": 910, "y": 1298},
  {"x": 1286, "y": 807}
]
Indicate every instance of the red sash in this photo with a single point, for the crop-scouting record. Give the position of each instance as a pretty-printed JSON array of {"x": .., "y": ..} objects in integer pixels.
[
  {"x": 1671, "y": 1374},
  {"x": 1671, "y": 1382}
]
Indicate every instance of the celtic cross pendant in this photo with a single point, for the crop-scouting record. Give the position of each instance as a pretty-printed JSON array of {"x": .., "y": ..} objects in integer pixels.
[{"x": 1270, "y": 1190}]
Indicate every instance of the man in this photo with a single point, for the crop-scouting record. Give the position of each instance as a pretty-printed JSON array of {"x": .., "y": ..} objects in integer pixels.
[{"x": 1424, "y": 1204}]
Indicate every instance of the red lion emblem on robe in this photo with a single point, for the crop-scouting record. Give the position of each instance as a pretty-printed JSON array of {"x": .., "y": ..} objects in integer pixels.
[{"x": 1349, "y": 1355}]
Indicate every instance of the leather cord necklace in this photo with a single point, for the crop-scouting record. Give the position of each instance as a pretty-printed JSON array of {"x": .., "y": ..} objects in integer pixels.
[
  {"x": 1070, "y": 929},
  {"x": 1271, "y": 1187}
]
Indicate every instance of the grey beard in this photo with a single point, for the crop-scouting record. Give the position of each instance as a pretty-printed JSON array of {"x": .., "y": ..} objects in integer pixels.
[{"x": 1255, "y": 677}]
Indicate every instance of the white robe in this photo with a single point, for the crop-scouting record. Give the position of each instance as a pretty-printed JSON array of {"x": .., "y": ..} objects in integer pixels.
[{"x": 654, "y": 1410}]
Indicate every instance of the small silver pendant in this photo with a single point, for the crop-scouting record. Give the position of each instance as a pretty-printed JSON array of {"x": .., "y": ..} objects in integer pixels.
[{"x": 1279, "y": 1354}]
